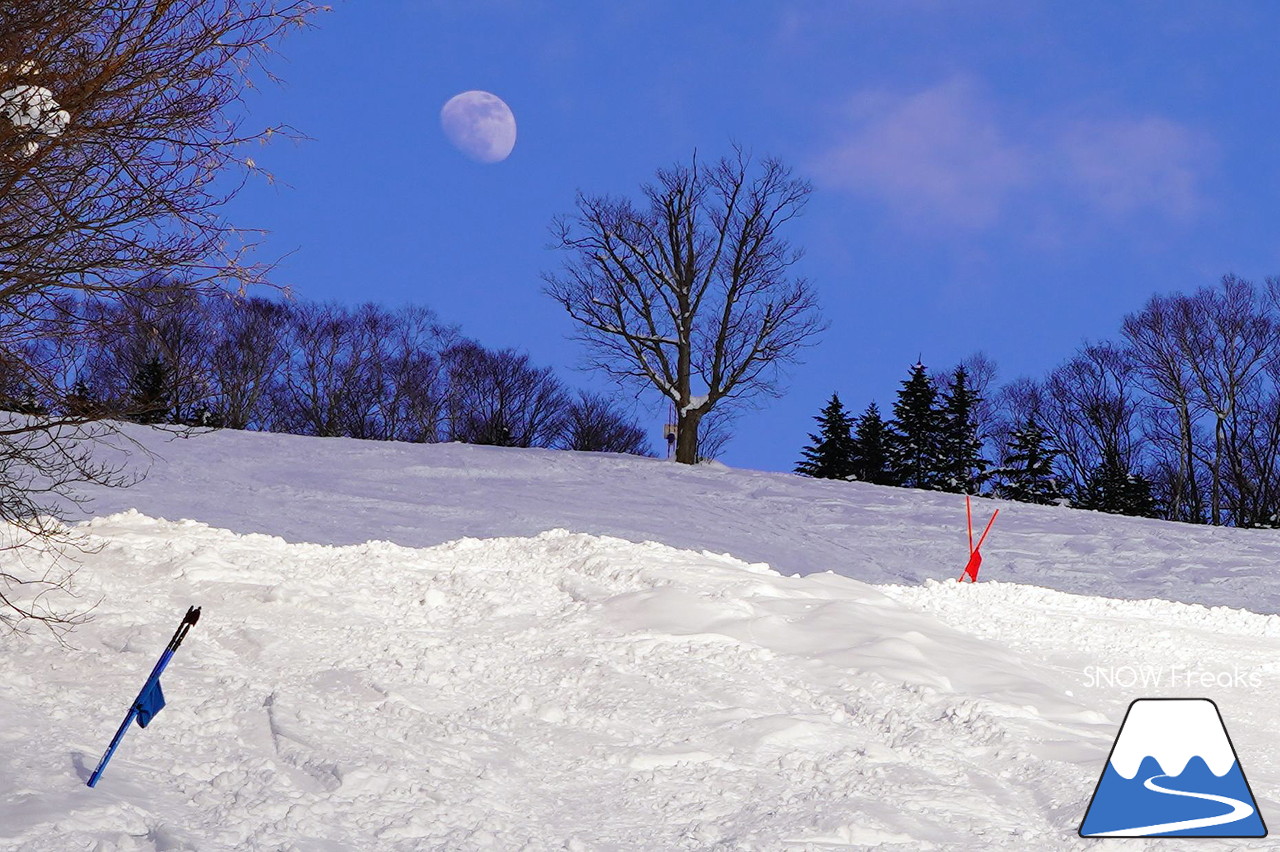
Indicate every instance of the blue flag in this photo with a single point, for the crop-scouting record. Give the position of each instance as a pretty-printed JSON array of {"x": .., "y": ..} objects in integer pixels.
[{"x": 149, "y": 702}]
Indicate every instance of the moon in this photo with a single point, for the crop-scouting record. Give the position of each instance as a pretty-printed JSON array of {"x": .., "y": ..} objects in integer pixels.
[{"x": 480, "y": 125}]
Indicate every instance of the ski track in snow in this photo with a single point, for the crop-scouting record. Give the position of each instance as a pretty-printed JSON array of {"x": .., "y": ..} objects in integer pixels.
[{"x": 570, "y": 690}]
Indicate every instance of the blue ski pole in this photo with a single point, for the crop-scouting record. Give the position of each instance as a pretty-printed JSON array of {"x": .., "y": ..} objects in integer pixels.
[{"x": 150, "y": 699}]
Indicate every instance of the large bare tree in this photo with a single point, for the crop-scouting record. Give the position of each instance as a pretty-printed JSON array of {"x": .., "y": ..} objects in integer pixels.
[
  {"x": 120, "y": 141},
  {"x": 690, "y": 291}
]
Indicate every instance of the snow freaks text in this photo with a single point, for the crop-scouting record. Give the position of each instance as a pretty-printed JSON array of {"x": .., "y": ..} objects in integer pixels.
[{"x": 1172, "y": 676}]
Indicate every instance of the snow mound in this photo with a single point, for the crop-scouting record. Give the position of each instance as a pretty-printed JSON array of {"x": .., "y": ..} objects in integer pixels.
[{"x": 565, "y": 691}]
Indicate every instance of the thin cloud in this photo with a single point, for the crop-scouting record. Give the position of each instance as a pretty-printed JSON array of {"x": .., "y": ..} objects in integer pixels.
[
  {"x": 938, "y": 154},
  {"x": 1130, "y": 167},
  {"x": 949, "y": 155}
]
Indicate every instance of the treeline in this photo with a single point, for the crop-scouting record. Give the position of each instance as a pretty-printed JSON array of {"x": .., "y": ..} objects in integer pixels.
[
  {"x": 1177, "y": 418},
  {"x": 164, "y": 354}
]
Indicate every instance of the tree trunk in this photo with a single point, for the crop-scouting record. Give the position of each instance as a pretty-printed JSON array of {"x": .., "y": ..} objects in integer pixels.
[
  {"x": 1215, "y": 511},
  {"x": 1188, "y": 492},
  {"x": 687, "y": 437}
]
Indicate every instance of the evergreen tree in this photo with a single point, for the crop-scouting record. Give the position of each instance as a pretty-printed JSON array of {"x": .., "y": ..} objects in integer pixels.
[
  {"x": 830, "y": 455},
  {"x": 961, "y": 467},
  {"x": 148, "y": 401},
  {"x": 1026, "y": 473},
  {"x": 913, "y": 439},
  {"x": 23, "y": 401},
  {"x": 1112, "y": 487},
  {"x": 80, "y": 402},
  {"x": 871, "y": 450}
]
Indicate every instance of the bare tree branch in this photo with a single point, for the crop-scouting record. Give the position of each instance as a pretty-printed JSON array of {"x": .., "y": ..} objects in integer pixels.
[{"x": 120, "y": 142}]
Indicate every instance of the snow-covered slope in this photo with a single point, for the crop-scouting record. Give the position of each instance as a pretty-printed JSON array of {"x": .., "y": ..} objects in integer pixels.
[
  {"x": 342, "y": 491},
  {"x": 564, "y": 689}
]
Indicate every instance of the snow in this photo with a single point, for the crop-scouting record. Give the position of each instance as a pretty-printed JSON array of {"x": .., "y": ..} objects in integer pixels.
[
  {"x": 33, "y": 108},
  {"x": 694, "y": 403},
  {"x": 557, "y": 652},
  {"x": 343, "y": 491}
]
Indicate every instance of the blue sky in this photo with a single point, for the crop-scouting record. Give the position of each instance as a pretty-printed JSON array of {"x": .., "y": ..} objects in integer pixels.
[{"x": 1011, "y": 177}]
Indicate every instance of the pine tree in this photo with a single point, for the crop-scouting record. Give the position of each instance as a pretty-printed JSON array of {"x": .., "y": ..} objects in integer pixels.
[
  {"x": 1026, "y": 474},
  {"x": 24, "y": 401},
  {"x": 147, "y": 392},
  {"x": 914, "y": 433},
  {"x": 80, "y": 402},
  {"x": 961, "y": 467},
  {"x": 830, "y": 455},
  {"x": 870, "y": 449},
  {"x": 1112, "y": 487}
]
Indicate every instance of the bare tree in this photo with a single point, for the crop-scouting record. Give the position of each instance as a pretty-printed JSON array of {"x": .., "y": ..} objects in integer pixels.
[
  {"x": 317, "y": 387},
  {"x": 1189, "y": 400},
  {"x": 365, "y": 382},
  {"x": 409, "y": 358},
  {"x": 246, "y": 357},
  {"x": 715, "y": 430},
  {"x": 499, "y": 398},
  {"x": 1011, "y": 407},
  {"x": 116, "y": 116},
  {"x": 1091, "y": 406},
  {"x": 124, "y": 188},
  {"x": 1157, "y": 336},
  {"x": 690, "y": 292},
  {"x": 149, "y": 358},
  {"x": 981, "y": 370},
  {"x": 1229, "y": 343},
  {"x": 43, "y": 468},
  {"x": 362, "y": 373},
  {"x": 597, "y": 423}
]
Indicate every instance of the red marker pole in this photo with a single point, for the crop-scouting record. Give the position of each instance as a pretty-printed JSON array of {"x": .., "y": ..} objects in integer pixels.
[
  {"x": 968, "y": 519},
  {"x": 970, "y": 572},
  {"x": 987, "y": 530}
]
